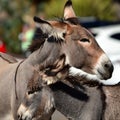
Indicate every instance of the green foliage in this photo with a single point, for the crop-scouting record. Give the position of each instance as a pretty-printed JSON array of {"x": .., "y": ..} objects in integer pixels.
[
  {"x": 54, "y": 8},
  {"x": 101, "y": 9},
  {"x": 10, "y": 27}
]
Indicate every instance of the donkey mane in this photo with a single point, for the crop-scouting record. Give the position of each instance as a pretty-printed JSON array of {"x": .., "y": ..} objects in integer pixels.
[
  {"x": 38, "y": 40},
  {"x": 36, "y": 44}
]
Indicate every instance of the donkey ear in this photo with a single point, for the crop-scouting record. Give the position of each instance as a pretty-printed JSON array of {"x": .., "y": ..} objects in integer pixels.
[
  {"x": 43, "y": 25},
  {"x": 57, "y": 66},
  {"x": 68, "y": 10},
  {"x": 53, "y": 33}
]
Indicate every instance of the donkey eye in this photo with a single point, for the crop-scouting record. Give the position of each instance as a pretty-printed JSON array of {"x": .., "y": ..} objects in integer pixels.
[
  {"x": 64, "y": 35},
  {"x": 85, "y": 40}
]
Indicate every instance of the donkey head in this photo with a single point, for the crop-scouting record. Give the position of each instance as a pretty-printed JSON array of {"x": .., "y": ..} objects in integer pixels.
[{"x": 80, "y": 48}]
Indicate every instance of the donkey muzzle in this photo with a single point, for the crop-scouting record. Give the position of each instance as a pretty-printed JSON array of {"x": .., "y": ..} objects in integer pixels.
[{"x": 105, "y": 68}]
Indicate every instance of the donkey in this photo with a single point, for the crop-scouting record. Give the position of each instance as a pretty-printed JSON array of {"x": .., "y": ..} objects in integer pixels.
[
  {"x": 57, "y": 96},
  {"x": 24, "y": 111},
  {"x": 62, "y": 38},
  {"x": 83, "y": 103},
  {"x": 88, "y": 103},
  {"x": 66, "y": 99},
  {"x": 6, "y": 60}
]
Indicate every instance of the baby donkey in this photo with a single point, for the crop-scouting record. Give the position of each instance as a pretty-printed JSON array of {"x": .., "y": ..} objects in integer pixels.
[{"x": 38, "y": 102}]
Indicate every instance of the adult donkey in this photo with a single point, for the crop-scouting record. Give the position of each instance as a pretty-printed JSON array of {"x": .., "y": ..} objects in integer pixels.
[
  {"x": 56, "y": 92},
  {"x": 83, "y": 103},
  {"x": 63, "y": 38},
  {"x": 86, "y": 103}
]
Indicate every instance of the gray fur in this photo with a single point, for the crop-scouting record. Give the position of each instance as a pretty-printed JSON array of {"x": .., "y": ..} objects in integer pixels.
[{"x": 22, "y": 83}]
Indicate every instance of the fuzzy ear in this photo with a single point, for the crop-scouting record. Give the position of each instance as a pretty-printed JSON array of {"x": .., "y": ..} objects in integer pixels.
[
  {"x": 68, "y": 10},
  {"x": 57, "y": 66},
  {"x": 43, "y": 25},
  {"x": 54, "y": 33}
]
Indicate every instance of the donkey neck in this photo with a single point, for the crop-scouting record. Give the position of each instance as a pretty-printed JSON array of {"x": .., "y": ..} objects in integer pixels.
[{"x": 46, "y": 54}]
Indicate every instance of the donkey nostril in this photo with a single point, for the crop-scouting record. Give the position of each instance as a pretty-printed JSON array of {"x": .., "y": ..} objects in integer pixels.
[
  {"x": 106, "y": 65},
  {"x": 109, "y": 66}
]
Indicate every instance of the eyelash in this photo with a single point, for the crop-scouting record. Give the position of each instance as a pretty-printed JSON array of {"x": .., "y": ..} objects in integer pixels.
[
  {"x": 64, "y": 34},
  {"x": 85, "y": 40}
]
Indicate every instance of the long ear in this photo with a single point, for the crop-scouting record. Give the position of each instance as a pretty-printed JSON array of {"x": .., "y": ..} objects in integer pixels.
[
  {"x": 54, "y": 33},
  {"x": 57, "y": 66},
  {"x": 43, "y": 25},
  {"x": 68, "y": 10}
]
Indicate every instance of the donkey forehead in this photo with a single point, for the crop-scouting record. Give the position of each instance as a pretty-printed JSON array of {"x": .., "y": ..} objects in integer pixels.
[{"x": 84, "y": 33}]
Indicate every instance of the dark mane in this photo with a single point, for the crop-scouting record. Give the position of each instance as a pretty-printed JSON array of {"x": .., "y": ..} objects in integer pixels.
[
  {"x": 36, "y": 44},
  {"x": 38, "y": 40}
]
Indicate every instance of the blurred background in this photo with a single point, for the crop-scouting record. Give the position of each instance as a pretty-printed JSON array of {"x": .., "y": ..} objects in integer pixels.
[
  {"x": 16, "y": 18},
  {"x": 101, "y": 17}
]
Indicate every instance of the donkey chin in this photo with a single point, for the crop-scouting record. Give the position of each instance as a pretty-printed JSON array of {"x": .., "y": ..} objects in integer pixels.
[{"x": 101, "y": 72}]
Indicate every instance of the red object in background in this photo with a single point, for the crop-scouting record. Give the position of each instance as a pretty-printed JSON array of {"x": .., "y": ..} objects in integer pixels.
[{"x": 2, "y": 47}]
